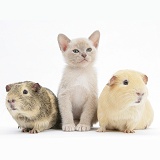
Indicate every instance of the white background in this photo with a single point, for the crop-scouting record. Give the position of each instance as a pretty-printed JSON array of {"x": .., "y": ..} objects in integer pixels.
[{"x": 130, "y": 39}]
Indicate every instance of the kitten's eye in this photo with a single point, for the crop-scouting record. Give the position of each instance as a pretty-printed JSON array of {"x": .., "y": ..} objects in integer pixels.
[
  {"x": 89, "y": 49},
  {"x": 75, "y": 51},
  {"x": 25, "y": 91},
  {"x": 125, "y": 82}
]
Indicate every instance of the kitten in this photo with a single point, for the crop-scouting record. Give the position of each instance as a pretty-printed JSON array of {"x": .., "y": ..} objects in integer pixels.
[{"x": 77, "y": 93}]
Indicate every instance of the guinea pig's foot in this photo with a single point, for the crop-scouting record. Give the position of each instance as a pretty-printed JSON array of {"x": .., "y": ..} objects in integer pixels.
[
  {"x": 101, "y": 129},
  {"x": 129, "y": 131},
  {"x": 19, "y": 127},
  {"x": 68, "y": 127},
  {"x": 146, "y": 127},
  {"x": 33, "y": 131},
  {"x": 25, "y": 130},
  {"x": 83, "y": 127}
]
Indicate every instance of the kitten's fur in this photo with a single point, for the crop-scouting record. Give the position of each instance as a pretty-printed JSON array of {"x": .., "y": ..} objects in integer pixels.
[{"x": 77, "y": 93}]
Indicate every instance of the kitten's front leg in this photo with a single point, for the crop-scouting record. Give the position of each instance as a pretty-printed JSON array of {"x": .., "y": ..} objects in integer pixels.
[
  {"x": 87, "y": 116},
  {"x": 65, "y": 107}
]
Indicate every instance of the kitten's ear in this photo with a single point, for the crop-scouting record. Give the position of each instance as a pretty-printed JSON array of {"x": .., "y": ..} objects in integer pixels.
[
  {"x": 63, "y": 42},
  {"x": 94, "y": 37}
]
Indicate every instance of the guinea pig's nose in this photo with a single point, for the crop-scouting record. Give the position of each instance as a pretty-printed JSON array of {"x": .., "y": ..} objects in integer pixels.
[
  {"x": 140, "y": 94},
  {"x": 11, "y": 101}
]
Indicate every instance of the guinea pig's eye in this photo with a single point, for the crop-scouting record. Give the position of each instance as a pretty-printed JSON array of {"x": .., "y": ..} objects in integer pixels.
[
  {"x": 89, "y": 49},
  {"x": 75, "y": 51},
  {"x": 125, "y": 82},
  {"x": 25, "y": 91}
]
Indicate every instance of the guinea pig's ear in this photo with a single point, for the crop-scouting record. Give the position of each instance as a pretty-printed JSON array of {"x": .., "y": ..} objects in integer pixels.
[
  {"x": 145, "y": 79},
  {"x": 63, "y": 41},
  {"x": 8, "y": 87},
  {"x": 36, "y": 87},
  {"x": 112, "y": 81},
  {"x": 94, "y": 37}
]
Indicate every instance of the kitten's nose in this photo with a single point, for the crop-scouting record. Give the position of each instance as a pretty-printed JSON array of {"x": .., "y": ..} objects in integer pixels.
[{"x": 84, "y": 55}]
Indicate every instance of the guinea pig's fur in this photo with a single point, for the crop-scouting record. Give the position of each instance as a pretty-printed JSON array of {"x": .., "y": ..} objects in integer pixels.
[
  {"x": 33, "y": 107},
  {"x": 123, "y": 103}
]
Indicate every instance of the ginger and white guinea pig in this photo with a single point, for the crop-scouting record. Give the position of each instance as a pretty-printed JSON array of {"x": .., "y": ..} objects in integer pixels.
[
  {"x": 123, "y": 103},
  {"x": 33, "y": 107}
]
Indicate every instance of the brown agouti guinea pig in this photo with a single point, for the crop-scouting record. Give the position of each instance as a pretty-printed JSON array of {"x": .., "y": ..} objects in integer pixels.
[{"x": 33, "y": 107}]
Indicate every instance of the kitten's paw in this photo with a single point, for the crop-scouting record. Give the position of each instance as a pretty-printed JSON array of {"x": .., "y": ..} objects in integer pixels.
[
  {"x": 68, "y": 127},
  {"x": 83, "y": 127},
  {"x": 129, "y": 131},
  {"x": 101, "y": 129}
]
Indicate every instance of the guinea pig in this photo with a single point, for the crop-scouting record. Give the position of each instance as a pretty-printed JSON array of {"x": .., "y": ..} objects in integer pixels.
[
  {"x": 123, "y": 104},
  {"x": 32, "y": 106}
]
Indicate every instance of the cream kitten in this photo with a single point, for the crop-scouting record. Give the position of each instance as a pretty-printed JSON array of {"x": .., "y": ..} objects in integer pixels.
[{"x": 77, "y": 93}]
